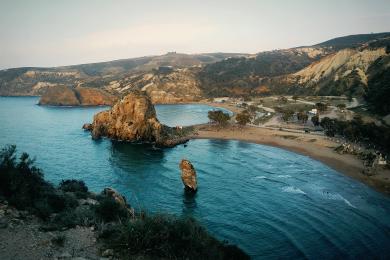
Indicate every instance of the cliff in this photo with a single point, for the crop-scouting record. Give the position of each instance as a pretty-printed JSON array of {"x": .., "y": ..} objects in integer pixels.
[
  {"x": 80, "y": 96},
  {"x": 134, "y": 119}
]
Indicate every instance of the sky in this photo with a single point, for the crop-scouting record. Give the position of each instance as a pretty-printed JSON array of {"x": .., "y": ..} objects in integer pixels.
[{"x": 48, "y": 33}]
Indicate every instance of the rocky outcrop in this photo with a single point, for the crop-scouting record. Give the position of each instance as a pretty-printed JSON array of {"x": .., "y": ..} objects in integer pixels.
[
  {"x": 87, "y": 126},
  {"x": 175, "y": 86},
  {"x": 188, "y": 176},
  {"x": 110, "y": 192},
  {"x": 60, "y": 96},
  {"x": 134, "y": 119},
  {"x": 80, "y": 96}
]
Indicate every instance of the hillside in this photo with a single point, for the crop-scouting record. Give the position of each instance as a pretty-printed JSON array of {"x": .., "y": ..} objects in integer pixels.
[
  {"x": 35, "y": 81},
  {"x": 340, "y": 66},
  {"x": 352, "y": 41}
]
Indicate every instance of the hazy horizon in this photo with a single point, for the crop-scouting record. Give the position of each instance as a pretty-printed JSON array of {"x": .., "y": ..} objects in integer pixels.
[{"x": 47, "y": 33}]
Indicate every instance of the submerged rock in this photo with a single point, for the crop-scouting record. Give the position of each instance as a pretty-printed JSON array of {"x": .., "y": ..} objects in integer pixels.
[
  {"x": 188, "y": 176},
  {"x": 134, "y": 119},
  {"x": 87, "y": 127}
]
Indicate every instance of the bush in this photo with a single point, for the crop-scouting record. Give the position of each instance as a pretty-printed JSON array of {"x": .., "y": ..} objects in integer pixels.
[
  {"x": 163, "y": 236},
  {"x": 109, "y": 210},
  {"x": 24, "y": 187},
  {"x": 369, "y": 134},
  {"x": 73, "y": 186},
  {"x": 243, "y": 118},
  {"x": 219, "y": 117}
]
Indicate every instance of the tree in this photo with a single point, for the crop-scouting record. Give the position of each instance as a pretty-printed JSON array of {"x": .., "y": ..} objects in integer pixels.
[
  {"x": 252, "y": 109},
  {"x": 315, "y": 120},
  {"x": 287, "y": 114},
  {"x": 243, "y": 118},
  {"x": 219, "y": 117},
  {"x": 341, "y": 106},
  {"x": 282, "y": 99},
  {"x": 329, "y": 125},
  {"x": 295, "y": 97},
  {"x": 321, "y": 107},
  {"x": 303, "y": 117}
]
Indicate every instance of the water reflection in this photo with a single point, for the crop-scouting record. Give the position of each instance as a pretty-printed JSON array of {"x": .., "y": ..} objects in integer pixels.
[
  {"x": 189, "y": 202},
  {"x": 125, "y": 154}
]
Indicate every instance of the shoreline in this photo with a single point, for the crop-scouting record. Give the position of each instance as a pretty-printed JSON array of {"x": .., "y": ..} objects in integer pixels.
[{"x": 316, "y": 147}]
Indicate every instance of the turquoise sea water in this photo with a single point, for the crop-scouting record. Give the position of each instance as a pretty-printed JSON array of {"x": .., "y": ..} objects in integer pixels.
[{"x": 271, "y": 202}]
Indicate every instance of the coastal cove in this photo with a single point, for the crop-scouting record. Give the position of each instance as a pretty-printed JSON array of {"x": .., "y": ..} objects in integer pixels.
[{"x": 269, "y": 201}]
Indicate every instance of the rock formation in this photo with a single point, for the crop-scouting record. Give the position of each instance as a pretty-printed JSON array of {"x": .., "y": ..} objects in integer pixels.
[
  {"x": 188, "y": 176},
  {"x": 134, "y": 119},
  {"x": 59, "y": 96},
  {"x": 110, "y": 192},
  {"x": 80, "y": 96}
]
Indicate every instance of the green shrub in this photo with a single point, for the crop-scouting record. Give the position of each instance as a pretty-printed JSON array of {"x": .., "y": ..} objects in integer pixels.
[
  {"x": 73, "y": 186},
  {"x": 109, "y": 210},
  {"x": 162, "y": 236},
  {"x": 59, "y": 240}
]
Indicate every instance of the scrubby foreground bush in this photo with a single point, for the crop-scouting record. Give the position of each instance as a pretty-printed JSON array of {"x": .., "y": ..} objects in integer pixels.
[{"x": 131, "y": 235}]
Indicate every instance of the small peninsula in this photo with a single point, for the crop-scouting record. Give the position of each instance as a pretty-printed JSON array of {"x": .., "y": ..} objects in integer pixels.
[{"x": 79, "y": 96}]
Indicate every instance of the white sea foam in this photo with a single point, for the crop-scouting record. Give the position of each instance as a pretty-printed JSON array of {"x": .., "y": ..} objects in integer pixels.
[
  {"x": 260, "y": 177},
  {"x": 291, "y": 189},
  {"x": 338, "y": 197},
  {"x": 283, "y": 176}
]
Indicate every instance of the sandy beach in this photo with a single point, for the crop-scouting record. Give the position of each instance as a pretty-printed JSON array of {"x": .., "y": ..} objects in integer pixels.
[{"x": 318, "y": 147}]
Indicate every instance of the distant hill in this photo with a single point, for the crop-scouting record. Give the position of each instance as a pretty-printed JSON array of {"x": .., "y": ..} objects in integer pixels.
[
  {"x": 355, "y": 65},
  {"x": 35, "y": 81},
  {"x": 352, "y": 41}
]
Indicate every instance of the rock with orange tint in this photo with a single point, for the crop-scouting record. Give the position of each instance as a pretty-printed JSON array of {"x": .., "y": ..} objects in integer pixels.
[
  {"x": 80, "y": 96},
  {"x": 134, "y": 119},
  {"x": 59, "y": 96},
  {"x": 188, "y": 176},
  {"x": 95, "y": 97}
]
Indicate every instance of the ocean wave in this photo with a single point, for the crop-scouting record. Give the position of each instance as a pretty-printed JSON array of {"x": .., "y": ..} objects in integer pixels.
[
  {"x": 291, "y": 189},
  {"x": 283, "y": 176},
  {"x": 260, "y": 177},
  {"x": 336, "y": 196}
]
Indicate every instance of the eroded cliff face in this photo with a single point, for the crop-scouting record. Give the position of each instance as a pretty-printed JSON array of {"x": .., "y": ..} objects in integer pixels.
[
  {"x": 67, "y": 96},
  {"x": 176, "y": 86},
  {"x": 59, "y": 96},
  {"x": 134, "y": 119}
]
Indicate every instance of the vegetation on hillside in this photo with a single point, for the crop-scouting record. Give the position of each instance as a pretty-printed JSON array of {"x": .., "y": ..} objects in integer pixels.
[
  {"x": 378, "y": 91},
  {"x": 357, "y": 131}
]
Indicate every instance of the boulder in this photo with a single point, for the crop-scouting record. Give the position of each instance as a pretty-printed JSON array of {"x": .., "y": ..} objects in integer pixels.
[
  {"x": 134, "y": 119},
  {"x": 121, "y": 200},
  {"x": 188, "y": 176},
  {"x": 110, "y": 192},
  {"x": 87, "y": 127}
]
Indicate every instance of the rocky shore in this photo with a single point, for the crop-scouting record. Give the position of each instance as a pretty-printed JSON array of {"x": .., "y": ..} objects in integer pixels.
[{"x": 39, "y": 220}]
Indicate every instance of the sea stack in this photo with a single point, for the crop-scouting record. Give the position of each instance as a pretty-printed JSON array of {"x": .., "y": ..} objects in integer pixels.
[
  {"x": 134, "y": 119},
  {"x": 188, "y": 176}
]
